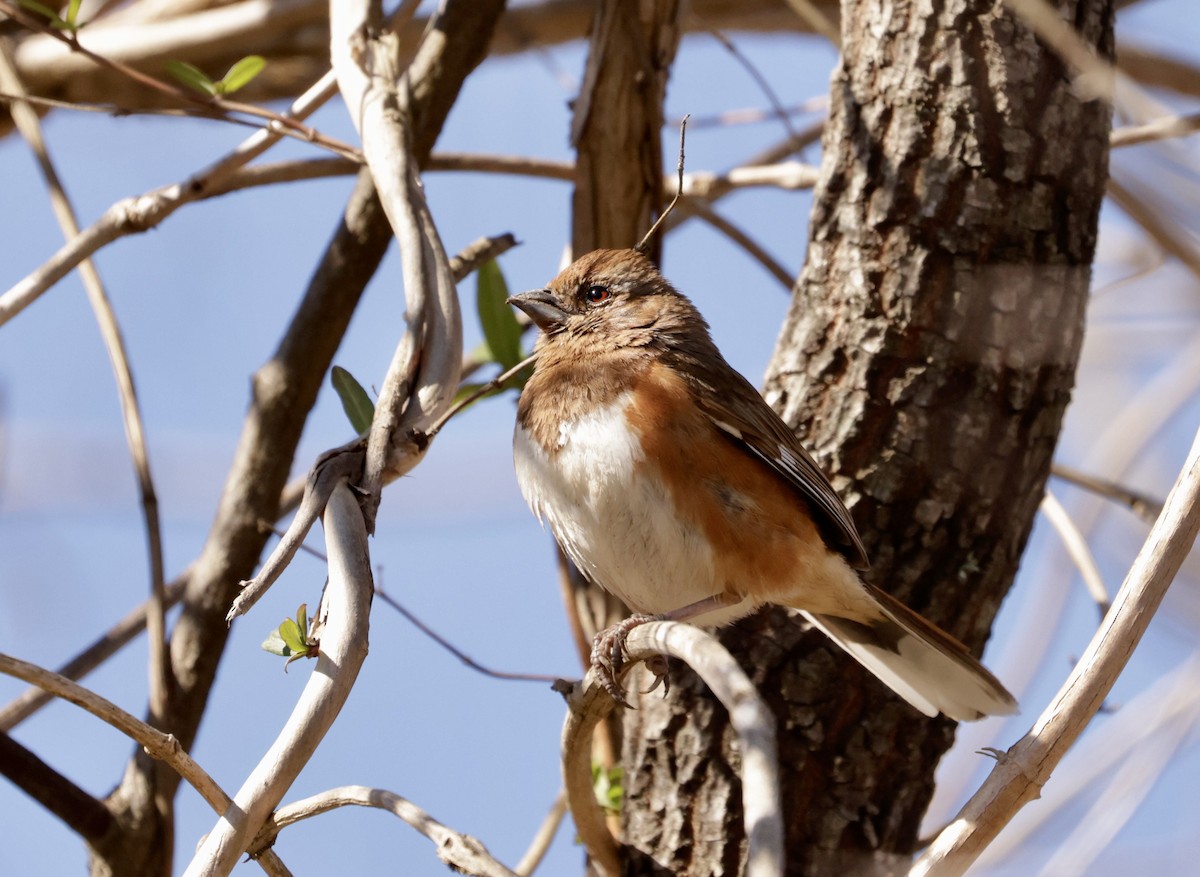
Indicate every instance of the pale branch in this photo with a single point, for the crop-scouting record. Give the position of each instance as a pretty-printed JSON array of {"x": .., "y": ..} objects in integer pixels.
[
  {"x": 342, "y": 625},
  {"x": 1165, "y": 128},
  {"x": 1020, "y": 773},
  {"x": 331, "y": 469},
  {"x": 1077, "y": 548},
  {"x": 459, "y": 851},
  {"x": 543, "y": 838},
  {"x": 588, "y": 703},
  {"x": 140, "y": 213},
  {"x": 30, "y": 128},
  {"x": 1077, "y": 852},
  {"x": 1143, "y": 505},
  {"x": 424, "y": 372}
]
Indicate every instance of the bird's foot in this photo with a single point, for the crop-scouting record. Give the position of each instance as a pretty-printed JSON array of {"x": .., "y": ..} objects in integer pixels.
[{"x": 608, "y": 655}]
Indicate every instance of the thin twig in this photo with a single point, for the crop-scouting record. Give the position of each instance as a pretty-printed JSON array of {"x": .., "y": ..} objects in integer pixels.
[
  {"x": 27, "y": 123},
  {"x": 644, "y": 244},
  {"x": 455, "y": 650},
  {"x": 1141, "y": 504},
  {"x": 491, "y": 386},
  {"x": 460, "y": 852},
  {"x": 1077, "y": 547}
]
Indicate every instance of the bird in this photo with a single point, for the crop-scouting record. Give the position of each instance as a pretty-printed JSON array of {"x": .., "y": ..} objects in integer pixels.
[{"x": 670, "y": 482}]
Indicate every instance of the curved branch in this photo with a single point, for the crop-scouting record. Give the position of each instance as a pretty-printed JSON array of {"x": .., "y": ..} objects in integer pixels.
[
  {"x": 753, "y": 722},
  {"x": 343, "y": 647},
  {"x": 1018, "y": 777},
  {"x": 461, "y": 852}
]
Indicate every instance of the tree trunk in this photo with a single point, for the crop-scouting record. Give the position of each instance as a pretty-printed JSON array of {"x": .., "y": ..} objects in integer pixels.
[{"x": 929, "y": 353}]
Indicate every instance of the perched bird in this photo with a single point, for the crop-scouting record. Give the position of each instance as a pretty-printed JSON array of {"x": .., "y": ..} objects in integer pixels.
[{"x": 669, "y": 481}]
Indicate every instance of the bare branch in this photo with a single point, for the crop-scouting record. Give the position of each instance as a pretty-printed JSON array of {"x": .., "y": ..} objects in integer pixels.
[
  {"x": 424, "y": 373},
  {"x": 1077, "y": 548},
  {"x": 1160, "y": 129},
  {"x": 344, "y": 625},
  {"x": 1019, "y": 774},
  {"x": 1143, "y": 505},
  {"x": 545, "y": 835},
  {"x": 589, "y": 703},
  {"x": 461, "y": 852}
]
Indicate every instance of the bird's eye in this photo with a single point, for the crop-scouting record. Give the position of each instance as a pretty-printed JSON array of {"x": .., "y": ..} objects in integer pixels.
[{"x": 597, "y": 293}]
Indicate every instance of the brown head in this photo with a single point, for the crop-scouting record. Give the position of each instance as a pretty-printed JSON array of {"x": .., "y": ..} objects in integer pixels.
[{"x": 609, "y": 301}]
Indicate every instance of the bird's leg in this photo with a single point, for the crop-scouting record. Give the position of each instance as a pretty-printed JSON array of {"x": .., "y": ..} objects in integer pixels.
[{"x": 608, "y": 647}]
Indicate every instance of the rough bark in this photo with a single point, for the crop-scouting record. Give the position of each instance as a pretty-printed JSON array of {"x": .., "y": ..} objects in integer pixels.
[
  {"x": 284, "y": 390},
  {"x": 927, "y": 359}
]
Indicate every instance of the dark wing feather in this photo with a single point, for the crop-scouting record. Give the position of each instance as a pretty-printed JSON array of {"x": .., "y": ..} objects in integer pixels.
[{"x": 744, "y": 416}]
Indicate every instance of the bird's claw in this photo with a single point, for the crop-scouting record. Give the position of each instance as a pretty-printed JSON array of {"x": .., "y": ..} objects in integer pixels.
[{"x": 609, "y": 654}]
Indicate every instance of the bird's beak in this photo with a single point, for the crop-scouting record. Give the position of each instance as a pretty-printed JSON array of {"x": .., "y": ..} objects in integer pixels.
[{"x": 542, "y": 307}]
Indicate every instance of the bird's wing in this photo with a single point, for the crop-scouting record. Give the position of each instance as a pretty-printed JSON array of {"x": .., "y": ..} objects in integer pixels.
[{"x": 746, "y": 418}]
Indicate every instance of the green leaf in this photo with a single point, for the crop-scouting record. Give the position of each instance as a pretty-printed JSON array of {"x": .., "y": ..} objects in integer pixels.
[
  {"x": 73, "y": 14},
  {"x": 302, "y": 619},
  {"x": 192, "y": 76},
  {"x": 293, "y": 637},
  {"x": 275, "y": 645},
  {"x": 609, "y": 787},
  {"x": 241, "y": 73},
  {"x": 355, "y": 402},
  {"x": 496, "y": 317}
]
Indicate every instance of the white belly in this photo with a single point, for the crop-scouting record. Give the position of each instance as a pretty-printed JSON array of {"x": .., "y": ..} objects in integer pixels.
[{"x": 615, "y": 522}]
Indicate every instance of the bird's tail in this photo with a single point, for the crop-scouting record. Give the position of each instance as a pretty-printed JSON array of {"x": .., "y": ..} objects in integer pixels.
[{"x": 919, "y": 661}]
